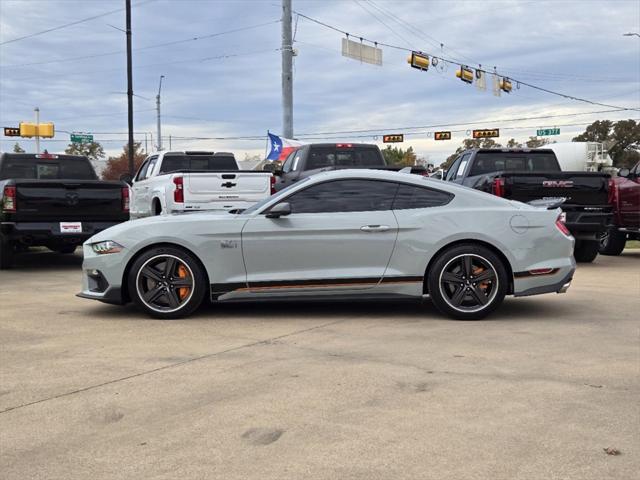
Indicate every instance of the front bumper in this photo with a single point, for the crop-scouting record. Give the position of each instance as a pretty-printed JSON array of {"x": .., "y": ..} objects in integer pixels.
[{"x": 102, "y": 276}]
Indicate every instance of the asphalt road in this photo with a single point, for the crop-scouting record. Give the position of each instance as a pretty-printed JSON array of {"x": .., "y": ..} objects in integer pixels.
[{"x": 319, "y": 391}]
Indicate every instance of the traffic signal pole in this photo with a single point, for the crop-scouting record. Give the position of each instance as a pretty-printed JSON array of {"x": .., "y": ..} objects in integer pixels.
[
  {"x": 129, "y": 87},
  {"x": 287, "y": 71}
]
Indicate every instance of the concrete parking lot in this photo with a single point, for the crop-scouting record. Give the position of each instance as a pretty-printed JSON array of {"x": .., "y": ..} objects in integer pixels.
[{"x": 319, "y": 391}]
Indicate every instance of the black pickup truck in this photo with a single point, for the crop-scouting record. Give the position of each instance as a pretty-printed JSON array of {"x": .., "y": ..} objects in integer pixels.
[
  {"x": 313, "y": 158},
  {"x": 56, "y": 201},
  {"x": 527, "y": 175}
]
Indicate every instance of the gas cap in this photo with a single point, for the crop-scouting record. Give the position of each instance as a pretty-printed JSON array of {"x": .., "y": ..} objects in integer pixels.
[{"x": 519, "y": 224}]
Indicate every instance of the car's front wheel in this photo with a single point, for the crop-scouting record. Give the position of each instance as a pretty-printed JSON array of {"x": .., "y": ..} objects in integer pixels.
[
  {"x": 167, "y": 282},
  {"x": 467, "y": 282}
]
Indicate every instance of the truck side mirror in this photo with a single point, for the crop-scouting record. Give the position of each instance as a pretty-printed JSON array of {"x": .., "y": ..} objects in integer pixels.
[{"x": 126, "y": 178}]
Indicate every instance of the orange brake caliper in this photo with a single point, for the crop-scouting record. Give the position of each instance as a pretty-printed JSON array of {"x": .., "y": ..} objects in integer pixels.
[
  {"x": 183, "y": 273},
  {"x": 477, "y": 271}
]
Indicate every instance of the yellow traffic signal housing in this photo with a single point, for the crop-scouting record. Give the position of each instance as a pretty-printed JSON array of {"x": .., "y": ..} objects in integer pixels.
[
  {"x": 465, "y": 74},
  {"x": 419, "y": 61},
  {"x": 505, "y": 85},
  {"x": 42, "y": 130},
  {"x": 397, "y": 138},
  {"x": 46, "y": 130}
]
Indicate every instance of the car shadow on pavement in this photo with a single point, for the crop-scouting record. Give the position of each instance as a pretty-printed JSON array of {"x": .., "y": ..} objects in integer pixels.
[{"x": 44, "y": 259}]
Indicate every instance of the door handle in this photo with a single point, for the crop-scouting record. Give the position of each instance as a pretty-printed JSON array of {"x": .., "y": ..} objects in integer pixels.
[{"x": 375, "y": 228}]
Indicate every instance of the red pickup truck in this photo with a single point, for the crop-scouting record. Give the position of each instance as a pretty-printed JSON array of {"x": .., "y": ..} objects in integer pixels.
[{"x": 624, "y": 196}]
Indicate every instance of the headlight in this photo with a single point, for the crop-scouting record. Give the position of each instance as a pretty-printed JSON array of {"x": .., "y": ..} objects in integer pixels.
[{"x": 108, "y": 246}]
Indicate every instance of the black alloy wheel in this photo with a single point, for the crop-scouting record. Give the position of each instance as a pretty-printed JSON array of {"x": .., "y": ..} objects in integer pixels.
[
  {"x": 167, "y": 283},
  {"x": 467, "y": 282}
]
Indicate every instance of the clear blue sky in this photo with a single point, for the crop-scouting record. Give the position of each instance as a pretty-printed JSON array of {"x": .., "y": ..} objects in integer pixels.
[{"x": 575, "y": 47}]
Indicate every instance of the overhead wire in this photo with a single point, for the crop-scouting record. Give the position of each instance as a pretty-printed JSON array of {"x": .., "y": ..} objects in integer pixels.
[
  {"x": 452, "y": 61},
  {"x": 76, "y": 22}
]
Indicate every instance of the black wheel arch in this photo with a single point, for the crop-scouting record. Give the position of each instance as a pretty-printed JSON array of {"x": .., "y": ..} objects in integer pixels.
[
  {"x": 125, "y": 274},
  {"x": 493, "y": 248}
]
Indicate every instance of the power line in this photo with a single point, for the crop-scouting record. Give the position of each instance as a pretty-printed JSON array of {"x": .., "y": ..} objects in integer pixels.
[
  {"x": 454, "y": 62},
  {"x": 148, "y": 47},
  {"x": 60, "y": 27}
]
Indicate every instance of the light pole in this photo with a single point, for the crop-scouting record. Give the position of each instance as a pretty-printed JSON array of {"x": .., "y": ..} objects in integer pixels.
[
  {"x": 287, "y": 71},
  {"x": 158, "y": 112},
  {"x": 129, "y": 87}
]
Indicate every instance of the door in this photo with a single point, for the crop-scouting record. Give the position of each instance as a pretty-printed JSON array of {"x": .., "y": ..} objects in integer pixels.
[
  {"x": 290, "y": 170},
  {"x": 340, "y": 235},
  {"x": 141, "y": 189},
  {"x": 629, "y": 191}
]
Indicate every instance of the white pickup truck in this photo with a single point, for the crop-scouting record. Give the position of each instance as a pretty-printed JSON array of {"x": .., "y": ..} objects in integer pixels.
[{"x": 172, "y": 182}]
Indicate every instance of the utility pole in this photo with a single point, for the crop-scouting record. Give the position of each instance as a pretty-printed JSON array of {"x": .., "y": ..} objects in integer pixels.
[
  {"x": 37, "y": 110},
  {"x": 129, "y": 87},
  {"x": 158, "y": 111},
  {"x": 287, "y": 71}
]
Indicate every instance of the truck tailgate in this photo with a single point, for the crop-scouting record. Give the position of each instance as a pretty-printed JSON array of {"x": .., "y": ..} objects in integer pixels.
[
  {"x": 244, "y": 186},
  {"x": 583, "y": 188},
  {"x": 69, "y": 200}
]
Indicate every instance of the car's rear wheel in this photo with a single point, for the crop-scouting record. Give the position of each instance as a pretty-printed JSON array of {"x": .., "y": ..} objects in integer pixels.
[
  {"x": 167, "y": 282},
  {"x": 467, "y": 282},
  {"x": 613, "y": 242},
  {"x": 586, "y": 251}
]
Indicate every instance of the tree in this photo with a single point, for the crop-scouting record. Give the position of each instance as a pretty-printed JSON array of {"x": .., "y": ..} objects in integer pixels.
[
  {"x": 468, "y": 144},
  {"x": 93, "y": 150},
  {"x": 18, "y": 149},
  {"x": 513, "y": 143},
  {"x": 116, "y": 166},
  {"x": 622, "y": 139},
  {"x": 535, "y": 142},
  {"x": 393, "y": 155}
]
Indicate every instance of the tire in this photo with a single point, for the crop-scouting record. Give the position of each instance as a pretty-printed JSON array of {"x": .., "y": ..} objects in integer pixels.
[
  {"x": 167, "y": 282},
  {"x": 6, "y": 253},
  {"x": 65, "y": 249},
  {"x": 613, "y": 242},
  {"x": 586, "y": 251},
  {"x": 466, "y": 300}
]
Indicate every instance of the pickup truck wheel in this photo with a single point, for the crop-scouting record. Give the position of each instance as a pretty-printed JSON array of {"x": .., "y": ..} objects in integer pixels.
[
  {"x": 613, "y": 242},
  {"x": 6, "y": 253},
  {"x": 167, "y": 282},
  {"x": 467, "y": 282},
  {"x": 586, "y": 251}
]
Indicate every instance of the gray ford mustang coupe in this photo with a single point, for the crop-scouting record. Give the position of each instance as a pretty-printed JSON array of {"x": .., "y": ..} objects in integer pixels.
[{"x": 350, "y": 234}]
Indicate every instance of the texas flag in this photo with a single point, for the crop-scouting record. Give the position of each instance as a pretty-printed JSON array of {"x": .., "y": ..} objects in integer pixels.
[{"x": 281, "y": 147}]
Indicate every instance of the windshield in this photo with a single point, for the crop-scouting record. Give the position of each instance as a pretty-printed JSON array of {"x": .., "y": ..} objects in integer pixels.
[
  {"x": 47, "y": 169},
  {"x": 275, "y": 196},
  {"x": 208, "y": 163},
  {"x": 488, "y": 162}
]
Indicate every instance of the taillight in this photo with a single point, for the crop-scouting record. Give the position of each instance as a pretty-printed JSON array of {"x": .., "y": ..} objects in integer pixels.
[
  {"x": 178, "y": 193},
  {"x": 125, "y": 199},
  {"x": 9, "y": 199},
  {"x": 497, "y": 188},
  {"x": 273, "y": 184},
  {"x": 561, "y": 226}
]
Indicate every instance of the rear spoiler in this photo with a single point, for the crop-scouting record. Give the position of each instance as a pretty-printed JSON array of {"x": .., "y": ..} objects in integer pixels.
[{"x": 548, "y": 203}]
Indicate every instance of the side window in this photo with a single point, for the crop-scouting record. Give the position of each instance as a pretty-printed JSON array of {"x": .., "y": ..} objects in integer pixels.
[
  {"x": 344, "y": 196},
  {"x": 152, "y": 164},
  {"x": 288, "y": 163},
  {"x": 453, "y": 169},
  {"x": 410, "y": 196},
  {"x": 143, "y": 170}
]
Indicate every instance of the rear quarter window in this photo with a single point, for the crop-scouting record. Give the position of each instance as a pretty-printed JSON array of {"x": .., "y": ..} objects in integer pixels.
[{"x": 410, "y": 196}]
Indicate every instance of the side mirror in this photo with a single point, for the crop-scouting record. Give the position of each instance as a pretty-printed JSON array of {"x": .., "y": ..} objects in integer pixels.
[
  {"x": 126, "y": 178},
  {"x": 280, "y": 210},
  {"x": 624, "y": 172},
  {"x": 269, "y": 167}
]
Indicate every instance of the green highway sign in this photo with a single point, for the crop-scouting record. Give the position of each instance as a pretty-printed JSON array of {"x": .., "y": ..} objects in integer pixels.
[
  {"x": 543, "y": 132},
  {"x": 81, "y": 138}
]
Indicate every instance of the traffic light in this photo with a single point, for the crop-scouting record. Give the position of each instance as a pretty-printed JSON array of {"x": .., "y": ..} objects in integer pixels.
[
  {"x": 419, "y": 61},
  {"x": 505, "y": 85},
  {"x": 465, "y": 74},
  {"x": 42, "y": 130},
  {"x": 442, "y": 136},
  {"x": 397, "y": 138},
  {"x": 11, "y": 132},
  {"x": 486, "y": 133}
]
